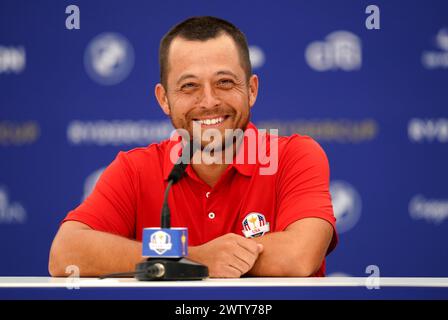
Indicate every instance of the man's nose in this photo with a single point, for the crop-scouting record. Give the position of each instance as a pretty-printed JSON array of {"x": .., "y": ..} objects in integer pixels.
[{"x": 209, "y": 98}]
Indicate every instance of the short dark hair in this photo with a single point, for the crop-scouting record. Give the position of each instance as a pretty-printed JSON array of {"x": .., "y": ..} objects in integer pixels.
[{"x": 202, "y": 29}]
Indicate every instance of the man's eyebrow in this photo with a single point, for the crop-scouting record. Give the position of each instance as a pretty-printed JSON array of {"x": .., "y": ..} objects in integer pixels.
[
  {"x": 186, "y": 76},
  {"x": 226, "y": 72},
  {"x": 219, "y": 73}
]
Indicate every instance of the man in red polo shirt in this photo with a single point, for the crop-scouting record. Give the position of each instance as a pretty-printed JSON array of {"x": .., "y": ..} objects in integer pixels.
[{"x": 260, "y": 218}]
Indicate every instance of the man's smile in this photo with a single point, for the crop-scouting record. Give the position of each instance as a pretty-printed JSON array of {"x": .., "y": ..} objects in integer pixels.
[{"x": 211, "y": 121}]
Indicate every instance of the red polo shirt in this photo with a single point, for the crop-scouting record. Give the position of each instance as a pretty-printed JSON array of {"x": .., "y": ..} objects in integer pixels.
[{"x": 128, "y": 196}]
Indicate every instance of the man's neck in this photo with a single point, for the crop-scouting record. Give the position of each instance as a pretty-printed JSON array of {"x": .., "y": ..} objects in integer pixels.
[{"x": 209, "y": 173}]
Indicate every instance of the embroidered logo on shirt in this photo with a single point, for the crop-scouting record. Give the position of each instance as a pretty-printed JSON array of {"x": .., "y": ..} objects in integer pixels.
[
  {"x": 255, "y": 225},
  {"x": 160, "y": 242}
]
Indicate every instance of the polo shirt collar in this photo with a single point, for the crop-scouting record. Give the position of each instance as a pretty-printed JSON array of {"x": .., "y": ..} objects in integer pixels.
[{"x": 245, "y": 168}]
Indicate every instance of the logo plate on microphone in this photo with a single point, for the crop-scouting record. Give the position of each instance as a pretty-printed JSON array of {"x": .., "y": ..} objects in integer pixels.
[{"x": 168, "y": 243}]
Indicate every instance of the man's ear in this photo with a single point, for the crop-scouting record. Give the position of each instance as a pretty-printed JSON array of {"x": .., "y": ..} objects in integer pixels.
[
  {"x": 253, "y": 89},
  {"x": 162, "y": 98}
]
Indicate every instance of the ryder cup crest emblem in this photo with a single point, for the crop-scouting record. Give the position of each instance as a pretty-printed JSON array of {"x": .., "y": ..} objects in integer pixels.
[
  {"x": 160, "y": 242},
  {"x": 255, "y": 225}
]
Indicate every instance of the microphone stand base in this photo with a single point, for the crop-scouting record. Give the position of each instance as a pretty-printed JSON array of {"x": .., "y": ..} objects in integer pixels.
[{"x": 170, "y": 269}]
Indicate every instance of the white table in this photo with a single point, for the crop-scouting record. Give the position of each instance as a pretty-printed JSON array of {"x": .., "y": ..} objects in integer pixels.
[
  {"x": 48, "y": 282},
  {"x": 244, "y": 288}
]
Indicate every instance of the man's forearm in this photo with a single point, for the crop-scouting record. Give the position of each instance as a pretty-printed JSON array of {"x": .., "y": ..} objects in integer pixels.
[
  {"x": 296, "y": 252},
  {"x": 278, "y": 259},
  {"x": 95, "y": 253}
]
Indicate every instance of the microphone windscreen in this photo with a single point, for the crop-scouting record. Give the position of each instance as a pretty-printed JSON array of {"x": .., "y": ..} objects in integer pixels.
[
  {"x": 177, "y": 172},
  {"x": 179, "y": 168}
]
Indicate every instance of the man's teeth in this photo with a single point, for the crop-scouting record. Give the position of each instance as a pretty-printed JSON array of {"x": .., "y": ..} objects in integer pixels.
[{"x": 208, "y": 122}]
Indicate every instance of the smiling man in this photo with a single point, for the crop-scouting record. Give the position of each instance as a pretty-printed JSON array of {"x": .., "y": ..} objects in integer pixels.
[{"x": 241, "y": 220}]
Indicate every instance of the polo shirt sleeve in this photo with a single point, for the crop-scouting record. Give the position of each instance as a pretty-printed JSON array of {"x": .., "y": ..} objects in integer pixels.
[
  {"x": 111, "y": 207},
  {"x": 303, "y": 184}
]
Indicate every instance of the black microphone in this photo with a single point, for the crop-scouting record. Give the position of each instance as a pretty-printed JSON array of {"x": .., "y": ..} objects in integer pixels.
[
  {"x": 175, "y": 175},
  {"x": 172, "y": 268}
]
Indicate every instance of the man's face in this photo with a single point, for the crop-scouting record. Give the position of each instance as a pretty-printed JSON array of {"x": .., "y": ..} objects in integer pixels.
[{"x": 206, "y": 83}]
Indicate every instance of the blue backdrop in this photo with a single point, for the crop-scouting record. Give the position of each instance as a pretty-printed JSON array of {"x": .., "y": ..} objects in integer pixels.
[{"x": 376, "y": 100}]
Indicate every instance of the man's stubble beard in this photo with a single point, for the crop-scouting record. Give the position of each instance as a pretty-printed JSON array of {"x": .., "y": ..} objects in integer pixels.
[{"x": 226, "y": 142}]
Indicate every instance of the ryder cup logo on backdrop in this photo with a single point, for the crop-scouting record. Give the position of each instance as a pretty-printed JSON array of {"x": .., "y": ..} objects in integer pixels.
[
  {"x": 437, "y": 59},
  {"x": 256, "y": 56},
  {"x": 109, "y": 58},
  {"x": 160, "y": 242},
  {"x": 341, "y": 50},
  {"x": 346, "y": 205},
  {"x": 10, "y": 212},
  {"x": 255, "y": 225}
]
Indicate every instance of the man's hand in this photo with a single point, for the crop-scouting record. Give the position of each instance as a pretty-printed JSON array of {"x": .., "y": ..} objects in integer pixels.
[{"x": 228, "y": 256}]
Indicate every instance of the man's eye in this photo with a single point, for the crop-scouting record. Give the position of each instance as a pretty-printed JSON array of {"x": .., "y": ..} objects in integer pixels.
[
  {"x": 189, "y": 85},
  {"x": 226, "y": 82}
]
